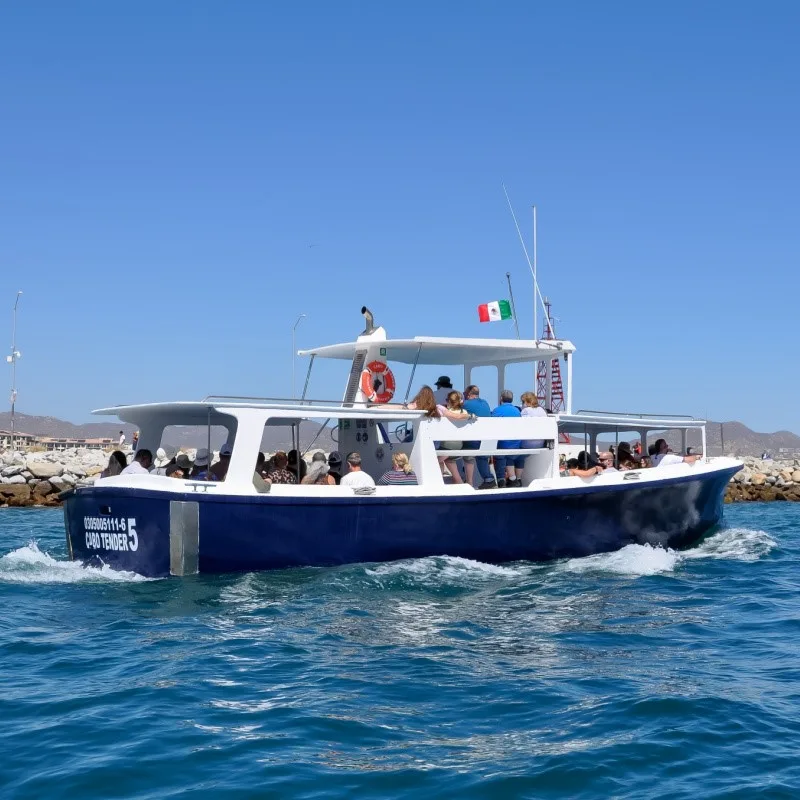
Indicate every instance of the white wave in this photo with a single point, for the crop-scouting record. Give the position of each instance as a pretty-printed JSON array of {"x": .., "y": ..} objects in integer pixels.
[
  {"x": 29, "y": 564},
  {"x": 446, "y": 567},
  {"x": 738, "y": 544},
  {"x": 633, "y": 559}
]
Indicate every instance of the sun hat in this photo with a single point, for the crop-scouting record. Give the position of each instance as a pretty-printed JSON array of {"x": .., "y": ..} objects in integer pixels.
[
  {"x": 201, "y": 458},
  {"x": 443, "y": 382},
  {"x": 183, "y": 461},
  {"x": 161, "y": 459},
  {"x": 335, "y": 458}
]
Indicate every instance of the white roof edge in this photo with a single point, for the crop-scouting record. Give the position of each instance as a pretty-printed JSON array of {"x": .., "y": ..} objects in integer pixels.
[
  {"x": 448, "y": 350},
  {"x": 280, "y": 409},
  {"x": 628, "y": 421}
]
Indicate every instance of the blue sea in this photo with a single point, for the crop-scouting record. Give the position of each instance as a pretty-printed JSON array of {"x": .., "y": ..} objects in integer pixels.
[{"x": 638, "y": 674}]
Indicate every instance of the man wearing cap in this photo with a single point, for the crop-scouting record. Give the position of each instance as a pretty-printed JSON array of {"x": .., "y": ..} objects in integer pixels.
[
  {"x": 200, "y": 469},
  {"x": 443, "y": 388},
  {"x": 220, "y": 469},
  {"x": 335, "y": 463}
]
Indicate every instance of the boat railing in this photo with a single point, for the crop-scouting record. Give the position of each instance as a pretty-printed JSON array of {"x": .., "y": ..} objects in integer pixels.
[
  {"x": 295, "y": 401},
  {"x": 634, "y": 415}
]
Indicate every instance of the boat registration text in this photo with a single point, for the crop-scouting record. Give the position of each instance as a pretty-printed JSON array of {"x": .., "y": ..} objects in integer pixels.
[{"x": 111, "y": 533}]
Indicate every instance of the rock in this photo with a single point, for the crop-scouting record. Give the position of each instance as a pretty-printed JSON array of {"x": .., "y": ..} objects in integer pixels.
[
  {"x": 42, "y": 488},
  {"x": 771, "y": 480},
  {"x": 786, "y": 474},
  {"x": 26, "y": 474},
  {"x": 68, "y": 479},
  {"x": 17, "y": 480},
  {"x": 15, "y": 492},
  {"x": 86, "y": 482},
  {"x": 44, "y": 469},
  {"x": 758, "y": 479},
  {"x": 9, "y": 472},
  {"x": 91, "y": 472},
  {"x": 57, "y": 482},
  {"x": 796, "y": 476},
  {"x": 75, "y": 468}
]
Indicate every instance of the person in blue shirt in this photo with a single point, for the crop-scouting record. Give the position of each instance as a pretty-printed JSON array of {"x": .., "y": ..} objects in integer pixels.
[
  {"x": 475, "y": 404},
  {"x": 505, "y": 467}
]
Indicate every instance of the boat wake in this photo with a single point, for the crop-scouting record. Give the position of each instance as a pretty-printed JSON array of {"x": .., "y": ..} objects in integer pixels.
[
  {"x": 29, "y": 564},
  {"x": 635, "y": 560}
]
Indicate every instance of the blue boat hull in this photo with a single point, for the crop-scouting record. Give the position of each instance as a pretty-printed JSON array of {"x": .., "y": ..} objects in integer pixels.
[{"x": 129, "y": 529}]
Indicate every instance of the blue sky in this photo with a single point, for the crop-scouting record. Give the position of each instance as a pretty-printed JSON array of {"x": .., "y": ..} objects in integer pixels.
[{"x": 166, "y": 166}]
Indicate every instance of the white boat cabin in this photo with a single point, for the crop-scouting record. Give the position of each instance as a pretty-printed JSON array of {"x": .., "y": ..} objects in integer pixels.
[{"x": 371, "y": 418}]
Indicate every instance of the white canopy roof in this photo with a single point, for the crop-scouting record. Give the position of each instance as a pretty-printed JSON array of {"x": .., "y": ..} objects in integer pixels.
[
  {"x": 601, "y": 422},
  {"x": 447, "y": 351},
  {"x": 197, "y": 412}
]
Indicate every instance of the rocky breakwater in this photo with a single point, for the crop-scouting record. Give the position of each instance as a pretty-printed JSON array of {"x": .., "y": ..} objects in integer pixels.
[
  {"x": 765, "y": 480},
  {"x": 37, "y": 479}
]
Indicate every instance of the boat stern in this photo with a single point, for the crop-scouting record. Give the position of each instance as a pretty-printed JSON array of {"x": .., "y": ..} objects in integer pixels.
[{"x": 126, "y": 529}]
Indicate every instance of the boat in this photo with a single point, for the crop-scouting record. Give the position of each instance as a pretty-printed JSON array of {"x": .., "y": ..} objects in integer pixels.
[{"x": 159, "y": 526}]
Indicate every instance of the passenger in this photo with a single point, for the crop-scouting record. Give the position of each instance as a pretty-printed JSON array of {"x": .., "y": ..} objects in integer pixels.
[
  {"x": 585, "y": 466},
  {"x": 454, "y": 409},
  {"x": 624, "y": 453},
  {"x": 200, "y": 469},
  {"x": 161, "y": 461},
  {"x": 294, "y": 460},
  {"x": 400, "y": 474},
  {"x": 443, "y": 388},
  {"x": 356, "y": 477},
  {"x": 626, "y": 461},
  {"x": 606, "y": 461},
  {"x": 174, "y": 471},
  {"x": 220, "y": 469},
  {"x": 424, "y": 401},
  {"x": 505, "y": 466},
  {"x": 531, "y": 408},
  {"x": 664, "y": 458},
  {"x": 141, "y": 464},
  {"x": 281, "y": 474},
  {"x": 185, "y": 463},
  {"x": 476, "y": 405},
  {"x": 335, "y": 463},
  {"x": 319, "y": 472},
  {"x": 116, "y": 463},
  {"x": 570, "y": 464},
  {"x": 261, "y": 461}
]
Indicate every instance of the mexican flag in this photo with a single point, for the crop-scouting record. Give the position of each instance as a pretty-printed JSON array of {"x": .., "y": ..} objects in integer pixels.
[{"x": 494, "y": 311}]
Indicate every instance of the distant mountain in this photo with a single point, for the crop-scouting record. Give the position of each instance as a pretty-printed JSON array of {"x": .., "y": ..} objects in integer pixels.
[{"x": 739, "y": 439}]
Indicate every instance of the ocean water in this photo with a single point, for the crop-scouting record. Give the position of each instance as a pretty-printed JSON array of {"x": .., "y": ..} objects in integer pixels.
[{"x": 638, "y": 674}]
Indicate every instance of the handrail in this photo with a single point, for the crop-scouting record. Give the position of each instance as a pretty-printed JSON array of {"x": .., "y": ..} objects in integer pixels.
[
  {"x": 633, "y": 415},
  {"x": 223, "y": 398}
]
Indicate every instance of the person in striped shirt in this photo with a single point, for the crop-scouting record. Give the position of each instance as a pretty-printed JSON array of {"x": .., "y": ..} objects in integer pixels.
[{"x": 400, "y": 474}]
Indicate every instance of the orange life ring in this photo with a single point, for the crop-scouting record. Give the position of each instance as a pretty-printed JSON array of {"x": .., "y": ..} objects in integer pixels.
[{"x": 377, "y": 382}]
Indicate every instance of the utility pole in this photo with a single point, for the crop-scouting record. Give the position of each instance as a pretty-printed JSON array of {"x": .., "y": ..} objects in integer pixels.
[{"x": 12, "y": 359}]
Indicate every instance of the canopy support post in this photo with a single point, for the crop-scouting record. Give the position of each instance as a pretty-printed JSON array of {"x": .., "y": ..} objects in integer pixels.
[
  {"x": 308, "y": 376},
  {"x": 413, "y": 371}
]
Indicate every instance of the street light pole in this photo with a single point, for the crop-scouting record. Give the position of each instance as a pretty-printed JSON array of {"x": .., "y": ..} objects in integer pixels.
[
  {"x": 12, "y": 359},
  {"x": 294, "y": 350}
]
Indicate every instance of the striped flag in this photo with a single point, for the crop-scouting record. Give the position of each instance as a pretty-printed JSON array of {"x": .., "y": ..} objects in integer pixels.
[{"x": 495, "y": 311}]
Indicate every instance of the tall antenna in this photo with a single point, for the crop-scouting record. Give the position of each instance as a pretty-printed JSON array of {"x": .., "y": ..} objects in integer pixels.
[
  {"x": 531, "y": 267},
  {"x": 535, "y": 275}
]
